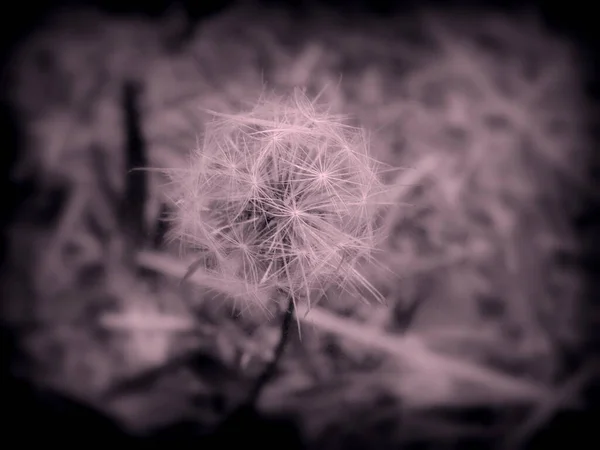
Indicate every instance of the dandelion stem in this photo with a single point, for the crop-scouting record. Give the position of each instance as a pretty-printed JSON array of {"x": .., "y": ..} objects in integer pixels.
[{"x": 271, "y": 368}]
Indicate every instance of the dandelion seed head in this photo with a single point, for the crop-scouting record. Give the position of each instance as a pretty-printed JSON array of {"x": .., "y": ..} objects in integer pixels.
[{"x": 281, "y": 197}]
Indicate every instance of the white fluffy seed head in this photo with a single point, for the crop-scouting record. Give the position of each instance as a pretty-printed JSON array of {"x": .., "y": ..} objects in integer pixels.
[{"x": 282, "y": 198}]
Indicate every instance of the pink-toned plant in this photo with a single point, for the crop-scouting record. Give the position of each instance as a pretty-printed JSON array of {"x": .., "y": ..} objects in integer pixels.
[{"x": 280, "y": 202}]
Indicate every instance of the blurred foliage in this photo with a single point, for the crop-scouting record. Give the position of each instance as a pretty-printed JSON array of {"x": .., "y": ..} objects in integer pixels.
[{"x": 486, "y": 117}]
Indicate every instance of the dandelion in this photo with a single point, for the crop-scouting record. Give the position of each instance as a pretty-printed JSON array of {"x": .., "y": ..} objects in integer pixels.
[{"x": 281, "y": 201}]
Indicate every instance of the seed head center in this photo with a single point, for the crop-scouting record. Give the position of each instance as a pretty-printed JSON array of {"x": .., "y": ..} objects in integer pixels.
[{"x": 323, "y": 176}]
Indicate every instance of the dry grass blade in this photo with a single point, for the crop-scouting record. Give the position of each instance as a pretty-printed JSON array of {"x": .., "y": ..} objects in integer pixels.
[
  {"x": 546, "y": 409},
  {"x": 410, "y": 348},
  {"x": 140, "y": 321}
]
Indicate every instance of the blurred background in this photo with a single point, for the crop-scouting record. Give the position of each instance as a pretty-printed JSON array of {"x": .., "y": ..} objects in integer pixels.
[{"x": 489, "y": 112}]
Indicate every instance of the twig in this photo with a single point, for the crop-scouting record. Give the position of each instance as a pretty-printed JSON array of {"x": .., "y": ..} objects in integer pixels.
[{"x": 136, "y": 189}]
